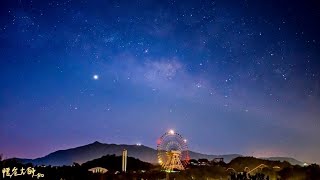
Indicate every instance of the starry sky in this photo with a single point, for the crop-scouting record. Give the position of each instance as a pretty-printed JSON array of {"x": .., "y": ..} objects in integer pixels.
[{"x": 236, "y": 76}]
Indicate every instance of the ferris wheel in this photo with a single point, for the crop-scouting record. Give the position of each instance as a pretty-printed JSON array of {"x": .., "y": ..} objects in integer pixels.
[{"x": 172, "y": 151}]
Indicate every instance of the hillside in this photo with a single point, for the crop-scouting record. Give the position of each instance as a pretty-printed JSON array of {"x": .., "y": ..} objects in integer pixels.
[
  {"x": 282, "y": 159},
  {"x": 113, "y": 163},
  {"x": 240, "y": 163}
]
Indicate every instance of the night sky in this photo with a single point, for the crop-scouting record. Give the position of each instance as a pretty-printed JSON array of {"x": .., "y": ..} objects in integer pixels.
[{"x": 236, "y": 76}]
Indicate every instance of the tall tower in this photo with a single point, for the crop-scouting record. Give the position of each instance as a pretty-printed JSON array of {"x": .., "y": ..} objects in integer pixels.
[{"x": 124, "y": 160}]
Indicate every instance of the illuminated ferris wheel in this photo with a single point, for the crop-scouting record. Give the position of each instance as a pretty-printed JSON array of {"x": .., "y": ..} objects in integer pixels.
[{"x": 172, "y": 151}]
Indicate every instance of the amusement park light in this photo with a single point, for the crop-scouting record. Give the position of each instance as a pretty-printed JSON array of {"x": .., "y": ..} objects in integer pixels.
[
  {"x": 171, "y": 132},
  {"x": 185, "y": 141},
  {"x": 160, "y": 162}
]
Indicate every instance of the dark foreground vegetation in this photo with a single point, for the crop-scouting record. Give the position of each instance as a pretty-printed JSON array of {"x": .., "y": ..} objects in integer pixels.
[{"x": 242, "y": 168}]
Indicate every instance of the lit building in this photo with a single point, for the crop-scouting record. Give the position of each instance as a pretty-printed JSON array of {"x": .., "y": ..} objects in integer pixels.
[{"x": 99, "y": 170}]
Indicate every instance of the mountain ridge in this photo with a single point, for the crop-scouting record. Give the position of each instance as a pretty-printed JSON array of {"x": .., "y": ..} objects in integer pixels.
[{"x": 82, "y": 154}]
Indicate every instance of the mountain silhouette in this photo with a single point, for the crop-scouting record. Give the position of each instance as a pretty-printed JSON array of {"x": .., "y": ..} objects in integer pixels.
[{"x": 96, "y": 150}]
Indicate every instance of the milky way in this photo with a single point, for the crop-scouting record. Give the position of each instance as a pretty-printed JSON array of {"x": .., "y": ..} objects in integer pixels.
[{"x": 232, "y": 77}]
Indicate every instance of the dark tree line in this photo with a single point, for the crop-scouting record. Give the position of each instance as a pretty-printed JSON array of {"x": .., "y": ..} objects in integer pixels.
[
  {"x": 245, "y": 176},
  {"x": 138, "y": 170}
]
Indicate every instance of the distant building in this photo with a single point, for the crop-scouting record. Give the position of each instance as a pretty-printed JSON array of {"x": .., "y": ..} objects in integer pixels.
[
  {"x": 276, "y": 167},
  {"x": 193, "y": 162},
  {"x": 217, "y": 160},
  {"x": 99, "y": 170},
  {"x": 203, "y": 162},
  {"x": 124, "y": 160}
]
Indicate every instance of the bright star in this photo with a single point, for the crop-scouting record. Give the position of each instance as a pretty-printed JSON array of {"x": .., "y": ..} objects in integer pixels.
[{"x": 95, "y": 77}]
